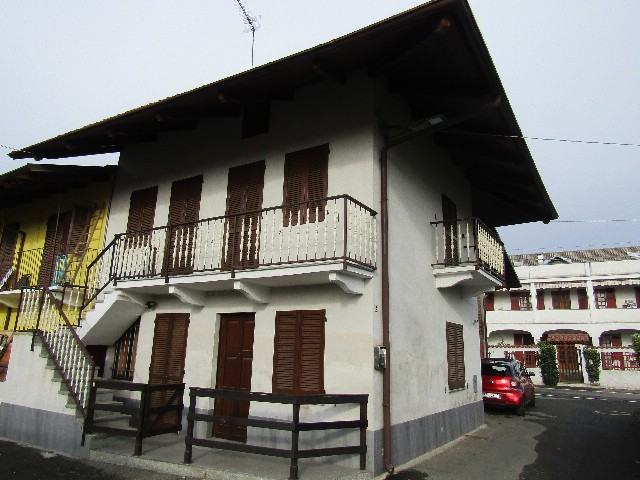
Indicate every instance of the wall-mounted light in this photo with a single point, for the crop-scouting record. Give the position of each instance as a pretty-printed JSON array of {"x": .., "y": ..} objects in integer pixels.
[{"x": 151, "y": 305}]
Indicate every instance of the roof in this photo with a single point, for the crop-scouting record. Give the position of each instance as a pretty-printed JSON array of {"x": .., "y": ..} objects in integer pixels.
[
  {"x": 34, "y": 181},
  {"x": 578, "y": 256},
  {"x": 432, "y": 55}
]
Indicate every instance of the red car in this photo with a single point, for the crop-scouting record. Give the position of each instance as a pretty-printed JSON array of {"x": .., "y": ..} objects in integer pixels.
[{"x": 506, "y": 382}]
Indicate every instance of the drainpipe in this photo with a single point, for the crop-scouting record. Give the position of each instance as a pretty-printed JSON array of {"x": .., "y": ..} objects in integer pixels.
[{"x": 429, "y": 125}]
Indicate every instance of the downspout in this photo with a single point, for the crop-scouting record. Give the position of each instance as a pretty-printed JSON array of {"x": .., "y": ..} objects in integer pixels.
[{"x": 431, "y": 125}]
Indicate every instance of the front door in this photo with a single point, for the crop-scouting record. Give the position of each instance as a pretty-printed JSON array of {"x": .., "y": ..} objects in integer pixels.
[
  {"x": 450, "y": 224},
  {"x": 244, "y": 200},
  {"x": 235, "y": 358},
  {"x": 167, "y": 362},
  {"x": 569, "y": 365}
]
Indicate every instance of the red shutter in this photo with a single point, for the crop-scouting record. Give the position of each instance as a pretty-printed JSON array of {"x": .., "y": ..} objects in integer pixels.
[
  {"x": 611, "y": 297},
  {"x": 518, "y": 339},
  {"x": 583, "y": 302},
  {"x": 298, "y": 357},
  {"x": 455, "y": 356},
  {"x": 540, "y": 300},
  {"x": 142, "y": 209},
  {"x": 515, "y": 301},
  {"x": 305, "y": 185},
  {"x": 489, "y": 302}
]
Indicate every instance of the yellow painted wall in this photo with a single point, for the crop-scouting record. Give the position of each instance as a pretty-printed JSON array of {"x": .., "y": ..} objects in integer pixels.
[{"x": 32, "y": 218}]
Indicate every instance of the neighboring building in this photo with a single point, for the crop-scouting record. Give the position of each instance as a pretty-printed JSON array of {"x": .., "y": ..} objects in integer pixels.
[
  {"x": 316, "y": 226},
  {"x": 52, "y": 224},
  {"x": 573, "y": 299}
]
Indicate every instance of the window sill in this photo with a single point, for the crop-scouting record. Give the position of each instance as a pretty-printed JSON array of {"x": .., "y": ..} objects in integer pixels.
[{"x": 454, "y": 390}]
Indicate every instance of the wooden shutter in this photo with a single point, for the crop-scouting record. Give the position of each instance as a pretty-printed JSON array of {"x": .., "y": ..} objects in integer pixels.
[
  {"x": 169, "y": 348},
  {"x": 244, "y": 194},
  {"x": 515, "y": 300},
  {"x": 583, "y": 301},
  {"x": 55, "y": 243},
  {"x": 611, "y": 297},
  {"x": 455, "y": 356},
  {"x": 489, "y": 302},
  {"x": 298, "y": 358},
  {"x": 8, "y": 245},
  {"x": 540, "y": 300},
  {"x": 518, "y": 339},
  {"x": 184, "y": 206},
  {"x": 78, "y": 232},
  {"x": 311, "y": 341},
  {"x": 305, "y": 185},
  {"x": 124, "y": 360},
  {"x": 142, "y": 209},
  {"x": 285, "y": 353}
]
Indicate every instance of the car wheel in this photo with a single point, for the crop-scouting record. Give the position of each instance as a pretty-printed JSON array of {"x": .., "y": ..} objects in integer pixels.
[{"x": 520, "y": 408}]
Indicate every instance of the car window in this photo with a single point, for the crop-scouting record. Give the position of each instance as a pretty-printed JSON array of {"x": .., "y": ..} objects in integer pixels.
[{"x": 496, "y": 370}]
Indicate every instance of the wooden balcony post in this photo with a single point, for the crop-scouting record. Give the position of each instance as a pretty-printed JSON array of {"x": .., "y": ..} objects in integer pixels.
[
  {"x": 188, "y": 449},
  {"x": 295, "y": 433},
  {"x": 363, "y": 435},
  {"x": 144, "y": 407},
  {"x": 88, "y": 419}
]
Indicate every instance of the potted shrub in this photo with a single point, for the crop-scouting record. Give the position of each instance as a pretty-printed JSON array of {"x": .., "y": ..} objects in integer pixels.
[
  {"x": 548, "y": 364},
  {"x": 592, "y": 362}
]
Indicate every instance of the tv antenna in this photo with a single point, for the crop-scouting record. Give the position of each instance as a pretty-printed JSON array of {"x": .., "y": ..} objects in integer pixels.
[{"x": 251, "y": 22}]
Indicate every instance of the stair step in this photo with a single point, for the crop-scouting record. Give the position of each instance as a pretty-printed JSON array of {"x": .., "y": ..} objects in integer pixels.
[{"x": 118, "y": 407}]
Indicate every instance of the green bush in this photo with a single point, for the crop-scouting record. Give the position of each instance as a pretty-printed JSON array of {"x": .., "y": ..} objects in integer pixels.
[
  {"x": 548, "y": 365},
  {"x": 592, "y": 357},
  {"x": 635, "y": 341}
]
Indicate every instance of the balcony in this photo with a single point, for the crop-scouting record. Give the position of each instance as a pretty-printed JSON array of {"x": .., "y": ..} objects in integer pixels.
[
  {"x": 332, "y": 240},
  {"x": 468, "y": 255},
  {"x": 29, "y": 269}
]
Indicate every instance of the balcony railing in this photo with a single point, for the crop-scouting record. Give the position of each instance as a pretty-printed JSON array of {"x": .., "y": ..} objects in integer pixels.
[
  {"x": 332, "y": 229},
  {"x": 30, "y": 270},
  {"x": 468, "y": 241}
]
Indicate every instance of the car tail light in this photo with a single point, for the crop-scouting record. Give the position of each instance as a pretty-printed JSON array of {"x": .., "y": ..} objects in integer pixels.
[{"x": 515, "y": 384}]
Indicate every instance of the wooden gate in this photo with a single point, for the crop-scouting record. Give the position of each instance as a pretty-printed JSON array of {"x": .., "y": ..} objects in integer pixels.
[{"x": 569, "y": 363}]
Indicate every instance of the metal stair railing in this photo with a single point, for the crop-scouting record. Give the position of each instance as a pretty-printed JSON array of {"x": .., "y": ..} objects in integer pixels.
[
  {"x": 60, "y": 340},
  {"x": 100, "y": 273}
]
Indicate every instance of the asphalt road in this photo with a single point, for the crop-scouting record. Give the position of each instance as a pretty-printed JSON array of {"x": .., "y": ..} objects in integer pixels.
[{"x": 570, "y": 434}]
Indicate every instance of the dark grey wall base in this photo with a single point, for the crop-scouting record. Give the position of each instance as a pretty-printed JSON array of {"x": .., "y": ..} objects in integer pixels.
[
  {"x": 44, "y": 429},
  {"x": 417, "y": 437}
]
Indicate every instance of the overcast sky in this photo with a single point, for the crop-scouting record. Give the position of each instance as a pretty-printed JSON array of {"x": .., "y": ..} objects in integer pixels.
[{"x": 571, "y": 70}]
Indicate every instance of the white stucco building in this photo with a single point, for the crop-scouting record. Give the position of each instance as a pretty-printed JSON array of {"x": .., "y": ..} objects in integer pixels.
[
  {"x": 320, "y": 225},
  {"x": 573, "y": 299}
]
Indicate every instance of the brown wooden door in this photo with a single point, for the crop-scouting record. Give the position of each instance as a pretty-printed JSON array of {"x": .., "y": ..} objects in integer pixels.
[
  {"x": 184, "y": 212},
  {"x": 235, "y": 360},
  {"x": 569, "y": 365},
  {"x": 450, "y": 222},
  {"x": 244, "y": 199},
  {"x": 167, "y": 362}
]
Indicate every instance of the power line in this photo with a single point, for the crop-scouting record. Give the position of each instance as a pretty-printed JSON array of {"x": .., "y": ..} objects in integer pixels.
[
  {"x": 551, "y": 139},
  {"x": 599, "y": 220}
]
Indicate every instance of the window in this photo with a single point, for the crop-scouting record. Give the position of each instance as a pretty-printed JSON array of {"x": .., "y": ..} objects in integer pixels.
[
  {"x": 455, "y": 356},
  {"x": 520, "y": 301},
  {"x": 611, "y": 340},
  {"x": 298, "y": 354},
  {"x": 561, "y": 299},
  {"x": 305, "y": 185},
  {"x": 605, "y": 298},
  {"x": 124, "y": 359}
]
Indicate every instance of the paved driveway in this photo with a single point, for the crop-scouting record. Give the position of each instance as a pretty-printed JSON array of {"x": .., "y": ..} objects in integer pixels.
[{"x": 570, "y": 434}]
